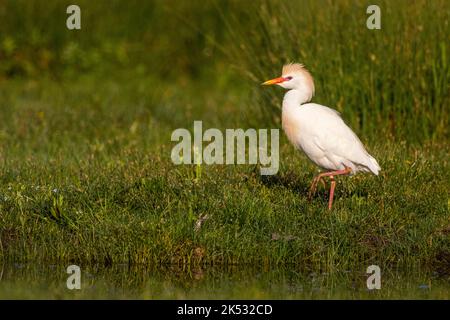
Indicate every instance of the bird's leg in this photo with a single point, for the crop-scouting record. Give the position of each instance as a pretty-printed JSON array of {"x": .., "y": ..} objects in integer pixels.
[
  {"x": 333, "y": 185},
  {"x": 312, "y": 189},
  {"x": 330, "y": 174}
]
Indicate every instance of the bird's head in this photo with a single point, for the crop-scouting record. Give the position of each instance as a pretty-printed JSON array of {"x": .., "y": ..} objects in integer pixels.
[{"x": 294, "y": 76}]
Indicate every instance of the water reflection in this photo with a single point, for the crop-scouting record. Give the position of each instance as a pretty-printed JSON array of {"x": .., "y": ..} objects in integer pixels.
[{"x": 38, "y": 281}]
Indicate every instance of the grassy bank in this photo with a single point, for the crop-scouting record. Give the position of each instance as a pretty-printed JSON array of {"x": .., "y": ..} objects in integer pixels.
[{"x": 96, "y": 184}]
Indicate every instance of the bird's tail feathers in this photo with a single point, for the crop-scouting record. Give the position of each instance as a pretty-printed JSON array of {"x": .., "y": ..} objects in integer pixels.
[{"x": 373, "y": 165}]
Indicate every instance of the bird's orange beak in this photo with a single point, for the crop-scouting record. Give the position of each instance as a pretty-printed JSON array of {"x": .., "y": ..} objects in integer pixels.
[{"x": 274, "y": 81}]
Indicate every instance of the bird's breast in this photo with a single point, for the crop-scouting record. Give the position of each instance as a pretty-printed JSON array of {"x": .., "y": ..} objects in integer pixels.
[
  {"x": 298, "y": 128},
  {"x": 291, "y": 127}
]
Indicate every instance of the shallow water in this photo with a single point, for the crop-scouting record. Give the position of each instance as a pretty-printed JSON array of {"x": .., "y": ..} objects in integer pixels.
[{"x": 37, "y": 281}]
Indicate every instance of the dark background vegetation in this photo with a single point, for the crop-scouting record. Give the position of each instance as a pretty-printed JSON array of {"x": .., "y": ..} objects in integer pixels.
[{"x": 393, "y": 81}]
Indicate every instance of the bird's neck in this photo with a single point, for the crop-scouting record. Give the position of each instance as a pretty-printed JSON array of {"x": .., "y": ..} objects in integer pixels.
[{"x": 296, "y": 97}]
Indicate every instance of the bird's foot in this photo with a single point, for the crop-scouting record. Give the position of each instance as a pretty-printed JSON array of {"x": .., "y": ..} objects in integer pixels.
[{"x": 313, "y": 188}]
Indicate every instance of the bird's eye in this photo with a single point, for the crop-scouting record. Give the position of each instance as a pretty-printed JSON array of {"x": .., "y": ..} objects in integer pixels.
[{"x": 288, "y": 78}]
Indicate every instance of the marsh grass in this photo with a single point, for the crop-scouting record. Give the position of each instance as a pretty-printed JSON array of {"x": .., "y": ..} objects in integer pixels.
[{"x": 392, "y": 82}]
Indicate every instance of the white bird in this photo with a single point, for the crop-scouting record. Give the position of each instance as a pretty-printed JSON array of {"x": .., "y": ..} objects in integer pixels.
[{"x": 320, "y": 131}]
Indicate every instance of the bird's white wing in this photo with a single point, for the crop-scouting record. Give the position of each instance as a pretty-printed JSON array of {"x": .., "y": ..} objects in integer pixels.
[{"x": 337, "y": 141}]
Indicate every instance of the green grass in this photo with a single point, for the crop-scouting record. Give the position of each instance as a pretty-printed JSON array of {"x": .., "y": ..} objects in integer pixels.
[
  {"x": 86, "y": 120},
  {"x": 82, "y": 183}
]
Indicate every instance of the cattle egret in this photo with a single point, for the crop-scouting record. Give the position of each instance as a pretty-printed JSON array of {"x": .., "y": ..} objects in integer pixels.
[{"x": 320, "y": 131}]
